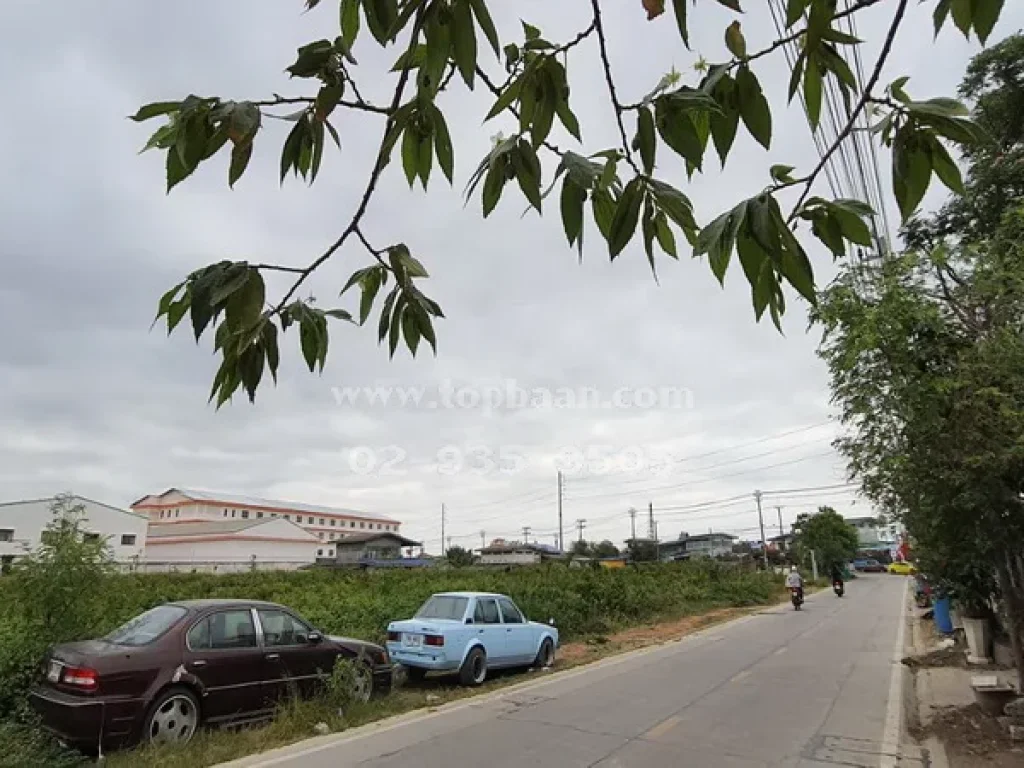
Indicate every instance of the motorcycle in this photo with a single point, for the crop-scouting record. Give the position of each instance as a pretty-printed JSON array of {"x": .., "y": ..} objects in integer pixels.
[
  {"x": 837, "y": 587},
  {"x": 796, "y": 595}
]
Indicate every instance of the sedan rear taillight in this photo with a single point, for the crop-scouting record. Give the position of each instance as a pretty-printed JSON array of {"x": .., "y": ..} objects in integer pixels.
[
  {"x": 435, "y": 640},
  {"x": 80, "y": 677},
  {"x": 394, "y": 637}
]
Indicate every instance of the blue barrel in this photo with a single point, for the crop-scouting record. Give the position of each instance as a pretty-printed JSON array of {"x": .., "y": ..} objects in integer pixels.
[{"x": 940, "y": 610}]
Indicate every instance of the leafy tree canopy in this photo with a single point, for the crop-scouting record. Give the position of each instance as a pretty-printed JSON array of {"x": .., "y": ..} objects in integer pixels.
[
  {"x": 828, "y": 535},
  {"x": 445, "y": 44}
]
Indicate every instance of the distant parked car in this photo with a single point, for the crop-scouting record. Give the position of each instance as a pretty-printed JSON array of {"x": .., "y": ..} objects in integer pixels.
[
  {"x": 469, "y": 633},
  {"x": 179, "y": 665},
  {"x": 868, "y": 565},
  {"x": 902, "y": 569}
]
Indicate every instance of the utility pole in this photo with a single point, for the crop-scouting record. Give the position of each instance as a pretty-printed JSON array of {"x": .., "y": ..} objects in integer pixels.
[
  {"x": 443, "y": 552},
  {"x": 760, "y": 518},
  {"x": 580, "y": 525},
  {"x": 561, "y": 547},
  {"x": 526, "y": 534},
  {"x": 483, "y": 538},
  {"x": 781, "y": 532},
  {"x": 449, "y": 542},
  {"x": 653, "y": 530},
  {"x": 632, "y": 524}
]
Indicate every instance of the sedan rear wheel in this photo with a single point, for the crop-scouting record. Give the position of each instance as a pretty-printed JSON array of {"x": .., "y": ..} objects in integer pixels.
[
  {"x": 546, "y": 655},
  {"x": 173, "y": 718},
  {"x": 474, "y": 668}
]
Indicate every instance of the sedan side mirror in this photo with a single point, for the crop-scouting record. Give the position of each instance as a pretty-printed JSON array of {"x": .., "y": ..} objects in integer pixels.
[
  {"x": 315, "y": 638},
  {"x": 551, "y": 622}
]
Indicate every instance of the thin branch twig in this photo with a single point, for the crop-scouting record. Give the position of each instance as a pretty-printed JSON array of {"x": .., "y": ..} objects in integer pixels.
[
  {"x": 278, "y": 268},
  {"x": 577, "y": 40},
  {"x": 378, "y": 168},
  {"x": 865, "y": 97},
  {"x": 364, "y": 106},
  {"x": 599, "y": 27}
]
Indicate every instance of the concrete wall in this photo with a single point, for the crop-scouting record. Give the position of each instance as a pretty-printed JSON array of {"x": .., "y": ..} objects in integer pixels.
[
  {"x": 203, "y": 566},
  {"x": 231, "y": 550},
  {"x": 25, "y": 521}
]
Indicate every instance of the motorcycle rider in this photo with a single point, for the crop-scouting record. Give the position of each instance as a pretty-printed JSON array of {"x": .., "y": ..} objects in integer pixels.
[
  {"x": 837, "y": 575},
  {"x": 795, "y": 580}
]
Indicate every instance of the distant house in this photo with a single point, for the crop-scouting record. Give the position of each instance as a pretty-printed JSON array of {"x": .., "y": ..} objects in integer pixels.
[
  {"x": 376, "y": 549},
  {"x": 781, "y": 543},
  {"x": 501, "y": 552},
  {"x": 699, "y": 545},
  {"x": 230, "y": 545},
  {"x": 870, "y": 534}
]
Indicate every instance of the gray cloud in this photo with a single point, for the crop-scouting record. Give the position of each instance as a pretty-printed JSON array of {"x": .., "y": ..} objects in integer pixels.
[{"x": 94, "y": 401}]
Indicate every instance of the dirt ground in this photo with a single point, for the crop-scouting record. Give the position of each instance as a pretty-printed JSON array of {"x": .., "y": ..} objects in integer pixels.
[
  {"x": 974, "y": 739},
  {"x": 571, "y": 654}
]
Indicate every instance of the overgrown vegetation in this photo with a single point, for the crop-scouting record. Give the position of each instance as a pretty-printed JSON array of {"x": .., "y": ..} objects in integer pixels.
[{"x": 357, "y": 604}]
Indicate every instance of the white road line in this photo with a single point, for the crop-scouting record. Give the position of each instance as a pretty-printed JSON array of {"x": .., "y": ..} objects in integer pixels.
[{"x": 894, "y": 707}]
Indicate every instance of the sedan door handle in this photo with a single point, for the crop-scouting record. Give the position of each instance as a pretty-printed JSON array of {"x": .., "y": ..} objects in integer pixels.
[
  {"x": 198, "y": 663},
  {"x": 273, "y": 656},
  {"x": 508, "y": 630}
]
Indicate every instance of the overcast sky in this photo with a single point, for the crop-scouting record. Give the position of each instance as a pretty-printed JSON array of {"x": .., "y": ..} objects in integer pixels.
[{"x": 96, "y": 403}]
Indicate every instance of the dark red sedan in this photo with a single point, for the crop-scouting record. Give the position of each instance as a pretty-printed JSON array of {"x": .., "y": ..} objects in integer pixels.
[{"x": 179, "y": 665}]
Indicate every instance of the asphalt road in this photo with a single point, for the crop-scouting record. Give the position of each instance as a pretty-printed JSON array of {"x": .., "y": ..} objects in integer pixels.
[{"x": 811, "y": 689}]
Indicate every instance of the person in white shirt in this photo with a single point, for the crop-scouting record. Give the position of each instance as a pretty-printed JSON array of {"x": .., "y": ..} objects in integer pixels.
[{"x": 794, "y": 579}]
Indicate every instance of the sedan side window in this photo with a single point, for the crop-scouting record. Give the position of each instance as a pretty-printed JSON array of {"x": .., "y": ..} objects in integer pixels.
[
  {"x": 232, "y": 629},
  {"x": 486, "y": 612},
  {"x": 199, "y": 635},
  {"x": 510, "y": 612},
  {"x": 280, "y": 629}
]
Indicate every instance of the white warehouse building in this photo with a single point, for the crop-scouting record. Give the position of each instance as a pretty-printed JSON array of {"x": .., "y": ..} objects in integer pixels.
[{"x": 22, "y": 524}]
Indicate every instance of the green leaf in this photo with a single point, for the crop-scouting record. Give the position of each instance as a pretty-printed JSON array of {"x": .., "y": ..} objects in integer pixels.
[
  {"x": 483, "y": 18},
  {"x": 938, "y": 107},
  {"x": 986, "y": 14},
  {"x": 940, "y": 15},
  {"x": 311, "y": 59},
  {"x": 385, "y": 315},
  {"x": 677, "y": 206},
  {"x": 754, "y": 109},
  {"x": 944, "y": 166},
  {"x": 425, "y": 157},
  {"x": 911, "y": 169},
  {"x": 381, "y": 17},
  {"x": 782, "y": 174},
  {"x": 176, "y": 170},
  {"x": 962, "y": 13},
  {"x": 506, "y": 98},
  {"x": 527, "y": 168},
  {"x": 604, "y": 208},
  {"x": 317, "y": 133},
  {"x": 493, "y": 186},
  {"x": 410, "y": 154},
  {"x": 442, "y": 143},
  {"x": 812, "y": 92},
  {"x": 410, "y": 330},
  {"x": 411, "y": 58},
  {"x": 627, "y": 211},
  {"x": 827, "y": 229},
  {"x": 396, "y": 325},
  {"x": 370, "y": 285},
  {"x": 464, "y": 40},
  {"x": 155, "y": 109},
  {"x": 835, "y": 36},
  {"x": 568, "y": 118},
  {"x": 167, "y": 300},
  {"x": 794, "y": 10},
  {"x": 732, "y": 5},
  {"x": 956, "y": 129},
  {"x": 796, "y": 74},
  {"x": 250, "y": 367},
  {"x": 268, "y": 335},
  {"x": 645, "y": 140},
  {"x": 678, "y": 131},
  {"x": 648, "y": 229},
  {"x": 851, "y": 225},
  {"x": 572, "y": 200},
  {"x": 725, "y": 122},
  {"x": 309, "y": 341},
  {"x": 735, "y": 41},
  {"x": 529, "y": 31},
  {"x": 679, "y": 6},
  {"x": 292, "y": 149},
  {"x": 349, "y": 22},
  {"x": 663, "y": 232}
]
